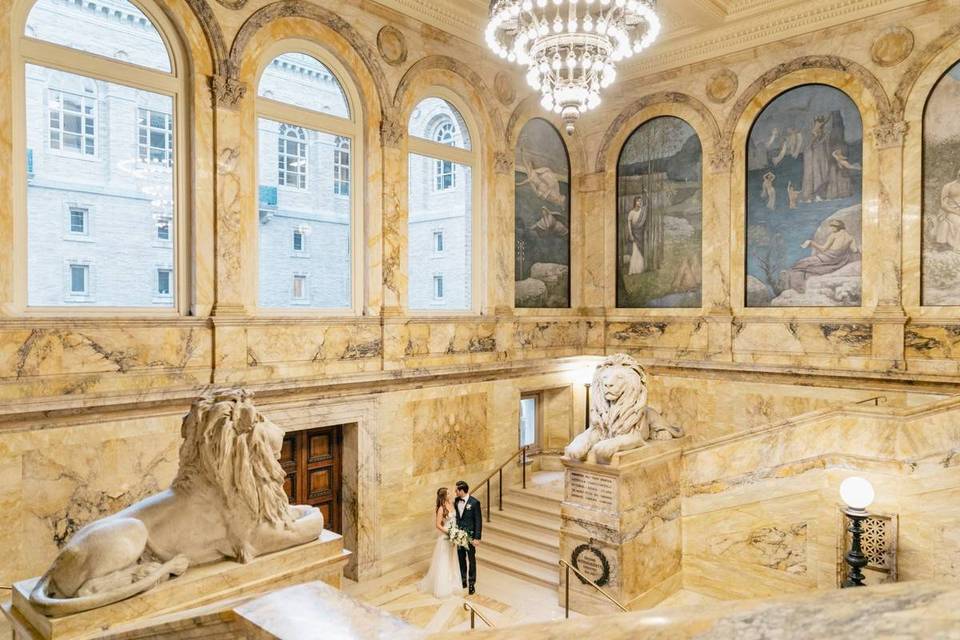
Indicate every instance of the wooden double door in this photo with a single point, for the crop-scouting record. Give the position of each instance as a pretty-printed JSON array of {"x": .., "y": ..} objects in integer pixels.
[{"x": 312, "y": 460}]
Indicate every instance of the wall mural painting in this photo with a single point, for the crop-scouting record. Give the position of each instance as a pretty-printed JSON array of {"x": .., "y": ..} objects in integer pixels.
[
  {"x": 941, "y": 193},
  {"x": 804, "y": 174},
  {"x": 660, "y": 216},
  {"x": 542, "y": 213}
]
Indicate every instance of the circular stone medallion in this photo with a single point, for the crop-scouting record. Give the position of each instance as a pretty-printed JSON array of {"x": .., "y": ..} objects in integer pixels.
[
  {"x": 392, "y": 45},
  {"x": 503, "y": 87},
  {"x": 721, "y": 86},
  {"x": 892, "y": 46}
]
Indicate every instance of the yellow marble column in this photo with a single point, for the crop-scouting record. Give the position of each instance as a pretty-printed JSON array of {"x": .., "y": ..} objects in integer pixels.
[
  {"x": 501, "y": 236},
  {"x": 394, "y": 233},
  {"x": 595, "y": 214},
  {"x": 889, "y": 316},
  {"x": 716, "y": 255}
]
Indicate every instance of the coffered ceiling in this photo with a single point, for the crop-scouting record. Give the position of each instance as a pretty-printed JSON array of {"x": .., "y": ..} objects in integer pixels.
[{"x": 693, "y": 30}]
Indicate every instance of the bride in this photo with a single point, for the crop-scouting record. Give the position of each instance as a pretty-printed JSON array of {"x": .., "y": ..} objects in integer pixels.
[{"x": 443, "y": 577}]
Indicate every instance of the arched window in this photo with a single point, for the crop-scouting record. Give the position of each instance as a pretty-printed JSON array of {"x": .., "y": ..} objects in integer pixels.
[
  {"x": 940, "y": 272},
  {"x": 102, "y": 99},
  {"x": 292, "y": 157},
  {"x": 541, "y": 217},
  {"x": 803, "y": 198},
  {"x": 306, "y": 235},
  {"x": 440, "y": 222},
  {"x": 444, "y": 175},
  {"x": 660, "y": 216}
]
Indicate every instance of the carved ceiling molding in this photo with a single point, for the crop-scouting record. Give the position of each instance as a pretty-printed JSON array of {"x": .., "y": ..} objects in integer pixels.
[
  {"x": 866, "y": 79},
  {"x": 467, "y": 18},
  {"x": 310, "y": 11},
  {"x": 740, "y": 34},
  {"x": 920, "y": 63},
  {"x": 232, "y": 4},
  {"x": 619, "y": 123}
]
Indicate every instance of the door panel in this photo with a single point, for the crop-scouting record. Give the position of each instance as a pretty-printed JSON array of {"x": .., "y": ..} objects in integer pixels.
[{"x": 314, "y": 471}]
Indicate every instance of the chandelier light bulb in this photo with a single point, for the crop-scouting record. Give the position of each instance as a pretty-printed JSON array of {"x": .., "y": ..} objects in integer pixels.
[{"x": 571, "y": 47}]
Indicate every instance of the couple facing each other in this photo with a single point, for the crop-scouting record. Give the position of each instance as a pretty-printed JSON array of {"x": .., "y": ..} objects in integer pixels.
[{"x": 443, "y": 579}]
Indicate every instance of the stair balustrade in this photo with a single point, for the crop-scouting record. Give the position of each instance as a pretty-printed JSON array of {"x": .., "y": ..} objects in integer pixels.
[
  {"x": 566, "y": 585},
  {"x": 474, "y": 614},
  {"x": 522, "y": 452}
]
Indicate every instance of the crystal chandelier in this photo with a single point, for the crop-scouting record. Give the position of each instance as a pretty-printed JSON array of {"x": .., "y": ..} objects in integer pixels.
[{"x": 570, "y": 47}]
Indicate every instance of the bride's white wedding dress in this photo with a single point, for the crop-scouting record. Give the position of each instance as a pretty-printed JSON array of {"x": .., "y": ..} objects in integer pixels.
[{"x": 443, "y": 577}]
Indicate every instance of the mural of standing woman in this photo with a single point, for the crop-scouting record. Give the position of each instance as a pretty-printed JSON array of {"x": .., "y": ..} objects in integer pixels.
[
  {"x": 659, "y": 216},
  {"x": 542, "y": 218}
]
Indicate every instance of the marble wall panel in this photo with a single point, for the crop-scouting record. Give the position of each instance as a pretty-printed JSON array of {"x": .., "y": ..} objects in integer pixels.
[
  {"x": 670, "y": 339},
  {"x": 448, "y": 432}
]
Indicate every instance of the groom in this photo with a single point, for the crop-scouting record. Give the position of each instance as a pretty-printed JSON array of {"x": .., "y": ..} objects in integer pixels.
[{"x": 470, "y": 520}]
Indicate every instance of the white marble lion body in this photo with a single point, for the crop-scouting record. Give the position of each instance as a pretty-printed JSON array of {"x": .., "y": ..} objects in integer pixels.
[
  {"x": 227, "y": 501},
  {"x": 620, "y": 418}
]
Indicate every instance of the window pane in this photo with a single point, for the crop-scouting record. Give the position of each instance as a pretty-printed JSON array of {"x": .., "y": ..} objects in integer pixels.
[
  {"x": 78, "y": 221},
  {"x": 313, "y": 210},
  {"x": 528, "y": 421},
  {"x": 437, "y": 120},
  {"x": 78, "y": 279},
  {"x": 87, "y": 27},
  {"x": 431, "y": 208},
  {"x": 129, "y": 196},
  {"x": 304, "y": 81},
  {"x": 163, "y": 282}
]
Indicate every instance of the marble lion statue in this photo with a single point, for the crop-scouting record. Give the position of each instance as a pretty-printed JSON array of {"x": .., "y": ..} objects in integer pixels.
[
  {"x": 620, "y": 419},
  {"x": 226, "y": 502}
]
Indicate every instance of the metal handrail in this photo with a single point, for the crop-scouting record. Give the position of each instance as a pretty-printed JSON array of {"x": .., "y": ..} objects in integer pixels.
[
  {"x": 499, "y": 470},
  {"x": 593, "y": 584},
  {"x": 473, "y": 612},
  {"x": 876, "y": 400}
]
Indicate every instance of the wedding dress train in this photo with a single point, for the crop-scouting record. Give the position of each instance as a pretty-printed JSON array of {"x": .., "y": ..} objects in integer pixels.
[{"x": 443, "y": 577}]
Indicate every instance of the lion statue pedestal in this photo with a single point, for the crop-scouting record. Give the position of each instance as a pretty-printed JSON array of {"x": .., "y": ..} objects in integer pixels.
[
  {"x": 223, "y": 529},
  {"x": 621, "y": 506}
]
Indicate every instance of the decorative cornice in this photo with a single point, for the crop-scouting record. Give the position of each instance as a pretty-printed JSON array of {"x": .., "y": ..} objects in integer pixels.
[{"x": 889, "y": 134}]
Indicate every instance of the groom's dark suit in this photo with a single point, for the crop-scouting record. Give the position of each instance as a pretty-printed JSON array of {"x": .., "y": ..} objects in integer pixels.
[{"x": 470, "y": 521}]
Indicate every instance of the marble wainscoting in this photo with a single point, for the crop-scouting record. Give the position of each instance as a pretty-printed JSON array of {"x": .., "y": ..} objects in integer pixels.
[
  {"x": 81, "y": 360},
  {"x": 761, "y": 509}
]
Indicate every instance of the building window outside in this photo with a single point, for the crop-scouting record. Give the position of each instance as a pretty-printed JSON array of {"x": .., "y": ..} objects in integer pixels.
[
  {"x": 528, "y": 420},
  {"x": 79, "y": 279},
  {"x": 444, "y": 175},
  {"x": 163, "y": 282},
  {"x": 341, "y": 166},
  {"x": 79, "y": 221},
  {"x": 299, "y": 288},
  {"x": 163, "y": 229},
  {"x": 298, "y": 245},
  {"x": 292, "y": 157},
  {"x": 155, "y": 137},
  {"x": 438, "y": 287},
  {"x": 73, "y": 122},
  {"x": 438, "y": 241}
]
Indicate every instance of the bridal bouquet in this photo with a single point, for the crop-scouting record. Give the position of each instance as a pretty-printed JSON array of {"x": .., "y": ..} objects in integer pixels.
[{"x": 458, "y": 537}]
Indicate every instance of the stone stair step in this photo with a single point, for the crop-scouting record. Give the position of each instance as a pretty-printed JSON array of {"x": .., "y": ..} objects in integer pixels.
[
  {"x": 531, "y": 501},
  {"x": 524, "y": 549},
  {"x": 547, "y": 540},
  {"x": 527, "y": 518},
  {"x": 528, "y": 570}
]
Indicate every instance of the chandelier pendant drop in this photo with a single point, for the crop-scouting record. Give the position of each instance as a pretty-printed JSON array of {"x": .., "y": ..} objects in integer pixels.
[{"x": 570, "y": 47}]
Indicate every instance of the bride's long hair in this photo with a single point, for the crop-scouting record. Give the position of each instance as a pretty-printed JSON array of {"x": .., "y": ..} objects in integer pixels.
[{"x": 442, "y": 493}]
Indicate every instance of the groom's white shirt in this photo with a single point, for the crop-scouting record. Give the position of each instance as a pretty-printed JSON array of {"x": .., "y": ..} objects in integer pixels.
[{"x": 462, "y": 504}]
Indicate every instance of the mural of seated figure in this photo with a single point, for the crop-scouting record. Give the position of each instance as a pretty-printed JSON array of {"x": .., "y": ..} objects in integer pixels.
[
  {"x": 620, "y": 419},
  {"x": 226, "y": 502}
]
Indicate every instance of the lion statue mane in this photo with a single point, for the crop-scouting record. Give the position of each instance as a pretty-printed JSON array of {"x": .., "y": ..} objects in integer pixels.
[
  {"x": 620, "y": 418},
  {"x": 226, "y": 502}
]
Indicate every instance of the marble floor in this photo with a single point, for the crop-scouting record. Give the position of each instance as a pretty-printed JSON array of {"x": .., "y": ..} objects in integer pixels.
[{"x": 504, "y": 599}]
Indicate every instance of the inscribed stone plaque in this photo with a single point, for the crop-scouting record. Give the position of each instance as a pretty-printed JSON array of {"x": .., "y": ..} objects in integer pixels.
[{"x": 593, "y": 489}]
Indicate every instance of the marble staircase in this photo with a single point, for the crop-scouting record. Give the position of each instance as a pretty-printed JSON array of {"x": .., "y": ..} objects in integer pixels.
[{"x": 524, "y": 539}]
